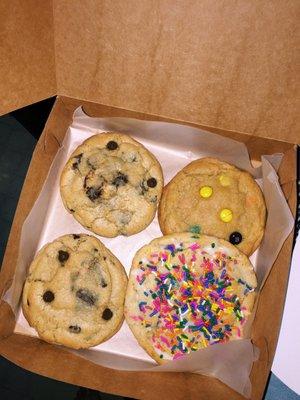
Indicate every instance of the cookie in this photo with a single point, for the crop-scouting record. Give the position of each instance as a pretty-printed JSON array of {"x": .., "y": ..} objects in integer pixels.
[
  {"x": 214, "y": 198},
  {"x": 186, "y": 292},
  {"x": 112, "y": 185},
  {"x": 74, "y": 292}
]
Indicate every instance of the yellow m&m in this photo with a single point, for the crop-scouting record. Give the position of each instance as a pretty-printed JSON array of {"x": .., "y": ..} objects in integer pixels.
[
  {"x": 226, "y": 215},
  {"x": 224, "y": 180},
  {"x": 206, "y": 192}
]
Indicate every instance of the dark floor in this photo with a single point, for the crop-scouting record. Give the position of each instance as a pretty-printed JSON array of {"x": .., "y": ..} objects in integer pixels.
[
  {"x": 17, "y": 145},
  {"x": 16, "y": 149}
]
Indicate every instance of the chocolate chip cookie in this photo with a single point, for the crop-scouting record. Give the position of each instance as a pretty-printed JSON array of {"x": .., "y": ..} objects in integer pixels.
[
  {"x": 74, "y": 292},
  {"x": 186, "y": 292},
  {"x": 112, "y": 185},
  {"x": 215, "y": 198}
]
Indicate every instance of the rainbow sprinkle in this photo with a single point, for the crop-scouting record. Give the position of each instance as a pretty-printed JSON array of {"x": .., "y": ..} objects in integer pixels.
[{"x": 193, "y": 301}]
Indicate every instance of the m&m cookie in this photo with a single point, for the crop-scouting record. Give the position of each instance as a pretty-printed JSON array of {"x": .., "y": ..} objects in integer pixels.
[{"x": 212, "y": 197}]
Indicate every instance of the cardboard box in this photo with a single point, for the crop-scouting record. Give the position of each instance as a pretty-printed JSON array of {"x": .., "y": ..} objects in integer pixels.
[{"x": 229, "y": 68}]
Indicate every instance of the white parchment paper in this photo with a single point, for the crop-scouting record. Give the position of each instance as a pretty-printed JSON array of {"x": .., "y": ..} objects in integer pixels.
[{"x": 174, "y": 146}]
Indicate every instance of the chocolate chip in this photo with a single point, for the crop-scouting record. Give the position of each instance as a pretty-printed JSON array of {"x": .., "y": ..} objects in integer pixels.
[
  {"x": 92, "y": 166},
  {"x": 28, "y": 303},
  {"x": 63, "y": 255},
  {"x": 77, "y": 162},
  {"x": 96, "y": 250},
  {"x": 48, "y": 296},
  {"x": 86, "y": 296},
  {"x": 111, "y": 145},
  {"x": 71, "y": 209},
  {"x": 104, "y": 258},
  {"x": 103, "y": 283},
  {"x": 93, "y": 193},
  {"x": 151, "y": 182},
  {"x": 153, "y": 199},
  {"x": 143, "y": 187},
  {"x": 120, "y": 180},
  {"x": 74, "y": 329},
  {"x": 76, "y": 236},
  {"x": 235, "y": 238},
  {"x": 84, "y": 182},
  {"x": 107, "y": 314}
]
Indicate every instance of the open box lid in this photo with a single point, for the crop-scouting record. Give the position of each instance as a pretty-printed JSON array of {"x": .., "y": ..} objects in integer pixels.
[
  {"x": 27, "y": 65},
  {"x": 226, "y": 65}
]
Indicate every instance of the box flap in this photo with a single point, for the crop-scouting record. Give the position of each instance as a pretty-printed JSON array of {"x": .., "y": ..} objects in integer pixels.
[
  {"x": 27, "y": 62},
  {"x": 223, "y": 64}
]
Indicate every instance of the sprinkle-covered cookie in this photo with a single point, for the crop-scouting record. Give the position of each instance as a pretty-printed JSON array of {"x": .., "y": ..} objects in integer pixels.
[
  {"x": 214, "y": 198},
  {"x": 186, "y": 292},
  {"x": 112, "y": 185},
  {"x": 74, "y": 292}
]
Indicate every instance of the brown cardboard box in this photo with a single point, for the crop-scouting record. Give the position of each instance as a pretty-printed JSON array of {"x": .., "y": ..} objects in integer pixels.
[{"x": 228, "y": 67}]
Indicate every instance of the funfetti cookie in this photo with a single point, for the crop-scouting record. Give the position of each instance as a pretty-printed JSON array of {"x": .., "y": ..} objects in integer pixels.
[
  {"x": 112, "y": 185},
  {"x": 186, "y": 292},
  {"x": 74, "y": 292},
  {"x": 214, "y": 198}
]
